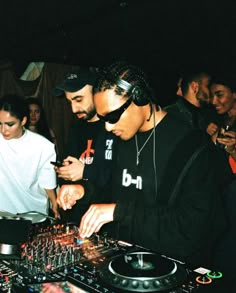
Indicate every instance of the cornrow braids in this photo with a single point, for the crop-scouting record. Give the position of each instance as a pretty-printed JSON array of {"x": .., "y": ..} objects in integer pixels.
[{"x": 121, "y": 70}]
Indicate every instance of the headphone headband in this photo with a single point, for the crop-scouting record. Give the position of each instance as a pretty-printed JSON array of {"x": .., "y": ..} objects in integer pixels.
[
  {"x": 138, "y": 96},
  {"x": 125, "y": 85}
]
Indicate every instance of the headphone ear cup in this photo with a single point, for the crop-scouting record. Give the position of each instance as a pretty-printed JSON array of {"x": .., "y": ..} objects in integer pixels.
[{"x": 138, "y": 96}]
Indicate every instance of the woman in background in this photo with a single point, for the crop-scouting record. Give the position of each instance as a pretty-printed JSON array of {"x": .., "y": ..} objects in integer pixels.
[
  {"x": 37, "y": 121},
  {"x": 27, "y": 179},
  {"x": 223, "y": 134}
]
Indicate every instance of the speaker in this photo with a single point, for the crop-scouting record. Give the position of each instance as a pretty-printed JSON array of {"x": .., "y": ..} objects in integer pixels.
[{"x": 134, "y": 92}]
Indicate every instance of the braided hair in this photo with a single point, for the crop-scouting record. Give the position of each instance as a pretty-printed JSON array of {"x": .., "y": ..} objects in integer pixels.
[{"x": 111, "y": 74}]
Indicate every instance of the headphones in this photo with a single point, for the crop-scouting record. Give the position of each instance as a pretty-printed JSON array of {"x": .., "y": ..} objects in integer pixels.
[
  {"x": 135, "y": 92},
  {"x": 140, "y": 98}
]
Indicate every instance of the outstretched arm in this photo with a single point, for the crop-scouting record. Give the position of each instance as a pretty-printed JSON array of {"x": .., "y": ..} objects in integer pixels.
[{"x": 52, "y": 197}]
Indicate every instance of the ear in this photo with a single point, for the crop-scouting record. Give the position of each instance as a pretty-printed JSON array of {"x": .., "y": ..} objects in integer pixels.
[
  {"x": 194, "y": 86},
  {"x": 24, "y": 120}
]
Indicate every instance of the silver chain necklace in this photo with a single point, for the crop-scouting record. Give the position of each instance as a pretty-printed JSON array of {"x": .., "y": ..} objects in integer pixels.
[{"x": 138, "y": 151}]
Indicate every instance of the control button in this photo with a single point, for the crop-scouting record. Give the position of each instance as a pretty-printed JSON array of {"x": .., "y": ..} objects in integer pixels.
[
  {"x": 157, "y": 283},
  {"x": 115, "y": 280},
  {"x": 204, "y": 280},
  {"x": 135, "y": 284},
  {"x": 146, "y": 284},
  {"x": 215, "y": 275},
  {"x": 124, "y": 283}
]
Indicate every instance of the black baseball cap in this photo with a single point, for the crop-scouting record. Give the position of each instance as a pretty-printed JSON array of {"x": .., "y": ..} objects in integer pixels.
[{"x": 75, "y": 81}]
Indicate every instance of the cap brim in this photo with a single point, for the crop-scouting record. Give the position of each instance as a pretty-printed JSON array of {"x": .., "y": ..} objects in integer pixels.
[
  {"x": 75, "y": 82},
  {"x": 68, "y": 87}
]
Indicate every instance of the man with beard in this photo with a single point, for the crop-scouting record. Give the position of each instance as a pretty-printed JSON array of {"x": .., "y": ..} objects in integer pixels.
[
  {"x": 87, "y": 138},
  {"x": 193, "y": 107}
]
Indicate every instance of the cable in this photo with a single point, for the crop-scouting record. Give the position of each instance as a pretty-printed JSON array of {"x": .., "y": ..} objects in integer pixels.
[{"x": 154, "y": 151}]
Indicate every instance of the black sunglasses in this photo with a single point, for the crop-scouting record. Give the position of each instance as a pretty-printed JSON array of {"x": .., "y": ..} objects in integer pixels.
[{"x": 114, "y": 116}]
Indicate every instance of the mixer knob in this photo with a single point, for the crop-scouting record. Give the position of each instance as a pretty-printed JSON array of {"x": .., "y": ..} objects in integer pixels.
[
  {"x": 106, "y": 243},
  {"x": 95, "y": 273},
  {"x": 37, "y": 256},
  {"x": 94, "y": 270},
  {"x": 67, "y": 229},
  {"x": 72, "y": 258},
  {"x": 71, "y": 250},
  {"x": 54, "y": 261},
  {"x": 67, "y": 257},
  {"x": 65, "y": 270},
  {"x": 41, "y": 277},
  {"x": 44, "y": 258},
  {"x": 75, "y": 228},
  {"x": 76, "y": 254},
  {"x": 60, "y": 260},
  {"x": 30, "y": 268},
  {"x": 55, "y": 230},
  {"x": 97, "y": 239}
]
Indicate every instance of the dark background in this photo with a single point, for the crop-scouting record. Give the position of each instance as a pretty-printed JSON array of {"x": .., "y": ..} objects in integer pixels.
[{"x": 164, "y": 37}]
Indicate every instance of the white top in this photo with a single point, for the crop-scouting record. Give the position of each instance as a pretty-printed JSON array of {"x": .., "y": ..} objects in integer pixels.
[{"x": 25, "y": 171}]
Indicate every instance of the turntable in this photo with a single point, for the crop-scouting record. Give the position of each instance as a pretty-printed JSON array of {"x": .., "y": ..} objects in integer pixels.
[
  {"x": 14, "y": 231},
  {"x": 143, "y": 272}
]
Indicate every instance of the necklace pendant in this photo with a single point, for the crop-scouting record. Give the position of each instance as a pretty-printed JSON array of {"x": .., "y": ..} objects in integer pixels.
[{"x": 137, "y": 160}]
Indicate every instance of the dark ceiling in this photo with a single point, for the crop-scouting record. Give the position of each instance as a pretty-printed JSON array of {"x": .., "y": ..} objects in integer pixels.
[{"x": 160, "y": 35}]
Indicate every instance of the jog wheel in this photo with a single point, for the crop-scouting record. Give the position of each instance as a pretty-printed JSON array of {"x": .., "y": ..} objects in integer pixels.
[{"x": 143, "y": 272}]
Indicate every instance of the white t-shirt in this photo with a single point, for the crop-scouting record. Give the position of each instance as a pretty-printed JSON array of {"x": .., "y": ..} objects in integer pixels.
[{"x": 25, "y": 171}]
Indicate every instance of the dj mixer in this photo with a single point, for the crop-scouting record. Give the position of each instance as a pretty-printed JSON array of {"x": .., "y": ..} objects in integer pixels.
[{"x": 56, "y": 259}]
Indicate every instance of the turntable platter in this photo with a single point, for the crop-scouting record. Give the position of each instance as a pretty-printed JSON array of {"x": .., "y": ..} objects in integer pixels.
[{"x": 143, "y": 272}]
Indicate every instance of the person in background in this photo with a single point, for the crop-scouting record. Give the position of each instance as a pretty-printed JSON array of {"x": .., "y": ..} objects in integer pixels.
[
  {"x": 89, "y": 150},
  {"x": 37, "y": 121},
  {"x": 179, "y": 89},
  {"x": 194, "y": 109},
  {"x": 159, "y": 188},
  {"x": 193, "y": 106},
  {"x": 223, "y": 133},
  {"x": 223, "y": 99},
  {"x": 27, "y": 179}
]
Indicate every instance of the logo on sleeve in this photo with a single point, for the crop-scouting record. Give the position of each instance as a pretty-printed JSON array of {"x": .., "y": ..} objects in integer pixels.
[{"x": 108, "y": 151}]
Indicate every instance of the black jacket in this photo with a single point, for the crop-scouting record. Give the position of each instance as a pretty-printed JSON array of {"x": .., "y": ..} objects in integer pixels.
[
  {"x": 91, "y": 143},
  {"x": 185, "y": 226},
  {"x": 195, "y": 117}
]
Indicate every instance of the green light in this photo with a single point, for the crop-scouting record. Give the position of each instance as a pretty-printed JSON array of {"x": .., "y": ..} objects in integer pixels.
[{"x": 215, "y": 275}]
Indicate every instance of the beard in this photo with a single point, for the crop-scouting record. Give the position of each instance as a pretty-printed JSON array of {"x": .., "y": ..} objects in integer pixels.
[{"x": 88, "y": 115}]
